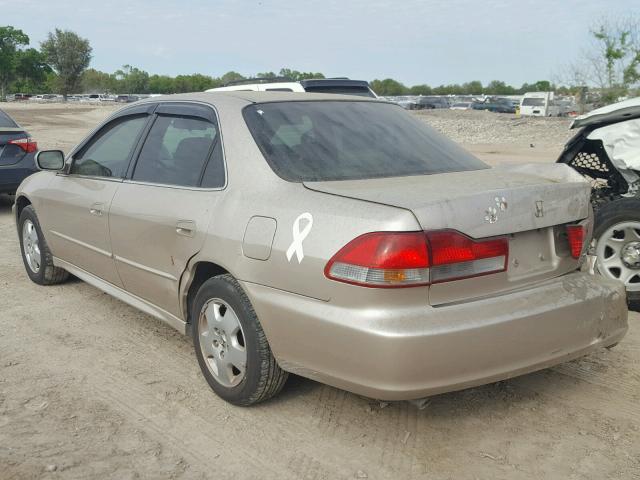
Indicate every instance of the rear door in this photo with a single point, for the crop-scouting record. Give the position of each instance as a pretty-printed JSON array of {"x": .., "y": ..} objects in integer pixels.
[
  {"x": 161, "y": 212},
  {"x": 75, "y": 206}
]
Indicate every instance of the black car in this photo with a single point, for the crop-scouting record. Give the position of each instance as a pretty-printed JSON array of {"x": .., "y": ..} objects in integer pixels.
[
  {"x": 428, "y": 103},
  {"x": 499, "y": 105},
  {"x": 17, "y": 154}
]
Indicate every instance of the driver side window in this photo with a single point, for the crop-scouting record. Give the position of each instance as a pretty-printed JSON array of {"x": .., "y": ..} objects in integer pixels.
[{"x": 108, "y": 152}]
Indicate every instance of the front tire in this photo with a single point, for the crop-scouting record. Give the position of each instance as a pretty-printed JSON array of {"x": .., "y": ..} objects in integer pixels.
[
  {"x": 36, "y": 256},
  {"x": 617, "y": 245},
  {"x": 231, "y": 347}
]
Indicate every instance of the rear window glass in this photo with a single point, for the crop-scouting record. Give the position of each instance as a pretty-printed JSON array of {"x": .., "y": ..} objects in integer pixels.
[
  {"x": 349, "y": 140},
  {"x": 533, "y": 102},
  {"x": 6, "y": 121},
  {"x": 358, "y": 91}
]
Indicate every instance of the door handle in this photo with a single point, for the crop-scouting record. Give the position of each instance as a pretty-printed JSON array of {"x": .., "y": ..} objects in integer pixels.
[
  {"x": 186, "y": 228},
  {"x": 96, "y": 209}
]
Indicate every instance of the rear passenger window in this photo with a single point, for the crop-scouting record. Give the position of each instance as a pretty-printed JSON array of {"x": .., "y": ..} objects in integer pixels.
[
  {"x": 181, "y": 151},
  {"x": 108, "y": 152}
]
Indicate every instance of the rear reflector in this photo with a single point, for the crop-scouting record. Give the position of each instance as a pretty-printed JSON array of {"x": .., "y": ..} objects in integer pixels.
[
  {"x": 407, "y": 259},
  {"x": 25, "y": 144},
  {"x": 575, "y": 234}
]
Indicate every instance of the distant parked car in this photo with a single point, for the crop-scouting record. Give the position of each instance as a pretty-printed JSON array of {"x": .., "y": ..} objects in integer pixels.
[
  {"x": 21, "y": 96},
  {"x": 408, "y": 103},
  {"x": 127, "y": 98},
  {"x": 17, "y": 152},
  {"x": 499, "y": 105},
  {"x": 93, "y": 97},
  {"x": 431, "y": 102},
  {"x": 462, "y": 106}
]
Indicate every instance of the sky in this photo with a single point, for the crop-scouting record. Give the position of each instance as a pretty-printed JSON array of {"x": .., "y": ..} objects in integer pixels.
[{"x": 429, "y": 41}]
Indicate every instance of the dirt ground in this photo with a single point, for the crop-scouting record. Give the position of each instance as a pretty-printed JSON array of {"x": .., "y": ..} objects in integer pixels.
[{"x": 91, "y": 388}]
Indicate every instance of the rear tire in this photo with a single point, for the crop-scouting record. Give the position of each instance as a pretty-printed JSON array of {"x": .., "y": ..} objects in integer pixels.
[
  {"x": 621, "y": 212},
  {"x": 36, "y": 256},
  {"x": 231, "y": 347}
]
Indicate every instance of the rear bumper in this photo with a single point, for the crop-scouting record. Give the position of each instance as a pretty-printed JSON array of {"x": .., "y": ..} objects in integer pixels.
[
  {"x": 435, "y": 350},
  {"x": 11, "y": 176}
]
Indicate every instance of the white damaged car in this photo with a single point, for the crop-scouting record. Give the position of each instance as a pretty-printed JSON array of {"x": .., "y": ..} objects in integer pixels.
[{"x": 606, "y": 150}]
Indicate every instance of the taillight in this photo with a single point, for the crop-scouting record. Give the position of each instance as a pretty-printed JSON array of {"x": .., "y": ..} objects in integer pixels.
[
  {"x": 575, "y": 234},
  {"x": 382, "y": 259},
  {"x": 456, "y": 256},
  {"x": 26, "y": 144},
  {"x": 407, "y": 259}
]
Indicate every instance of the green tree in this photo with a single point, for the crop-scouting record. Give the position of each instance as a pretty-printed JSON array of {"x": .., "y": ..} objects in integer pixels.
[
  {"x": 498, "y": 87},
  {"x": 618, "y": 46},
  {"x": 266, "y": 75},
  {"x": 473, "y": 87},
  {"x": 231, "y": 77},
  {"x": 131, "y": 80},
  {"x": 161, "y": 84},
  {"x": 95, "y": 81},
  {"x": 31, "y": 71},
  {"x": 420, "y": 90},
  {"x": 388, "y": 87},
  {"x": 10, "y": 41},
  {"x": 69, "y": 55},
  {"x": 200, "y": 83},
  {"x": 297, "y": 76}
]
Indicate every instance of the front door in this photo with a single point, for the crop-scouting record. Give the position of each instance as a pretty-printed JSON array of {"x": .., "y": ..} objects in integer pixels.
[
  {"x": 161, "y": 214},
  {"x": 76, "y": 205}
]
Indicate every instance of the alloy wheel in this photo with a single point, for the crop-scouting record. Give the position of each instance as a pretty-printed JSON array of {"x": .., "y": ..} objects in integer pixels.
[
  {"x": 31, "y": 246},
  {"x": 222, "y": 342},
  {"x": 618, "y": 254}
]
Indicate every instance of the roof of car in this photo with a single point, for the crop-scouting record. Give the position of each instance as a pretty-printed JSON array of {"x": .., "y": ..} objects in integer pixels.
[{"x": 247, "y": 97}]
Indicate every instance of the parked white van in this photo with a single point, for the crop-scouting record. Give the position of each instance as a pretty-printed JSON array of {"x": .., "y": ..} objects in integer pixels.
[{"x": 539, "y": 104}]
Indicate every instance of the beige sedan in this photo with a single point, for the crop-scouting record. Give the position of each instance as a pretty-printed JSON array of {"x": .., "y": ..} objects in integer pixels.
[{"x": 334, "y": 237}]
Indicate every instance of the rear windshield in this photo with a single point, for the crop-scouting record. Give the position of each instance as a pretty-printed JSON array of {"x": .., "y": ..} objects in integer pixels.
[
  {"x": 533, "y": 102},
  {"x": 355, "y": 90},
  {"x": 6, "y": 121},
  {"x": 349, "y": 140}
]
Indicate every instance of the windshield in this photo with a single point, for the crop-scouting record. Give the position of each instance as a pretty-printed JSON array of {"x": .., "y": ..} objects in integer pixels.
[
  {"x": 533, "y": 102},
  {"x": 6, "y": 121},
  {"x": 349, "y": 140}
]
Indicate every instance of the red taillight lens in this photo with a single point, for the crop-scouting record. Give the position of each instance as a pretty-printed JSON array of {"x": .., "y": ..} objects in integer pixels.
[
  {"x": 406, "y": 259},
  {"x": 26, "y": 144},
  {"x": 456, "y": 256},
  {"x": 382, "y": 259},
  {"x": 575, "y": 234}
]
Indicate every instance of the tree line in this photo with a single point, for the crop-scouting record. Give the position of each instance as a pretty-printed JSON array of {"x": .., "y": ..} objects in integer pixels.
[{"x": 61, "y": 65}]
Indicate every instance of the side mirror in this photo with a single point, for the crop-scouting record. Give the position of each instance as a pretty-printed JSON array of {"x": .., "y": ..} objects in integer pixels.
[{"x": 50, "y": 160}]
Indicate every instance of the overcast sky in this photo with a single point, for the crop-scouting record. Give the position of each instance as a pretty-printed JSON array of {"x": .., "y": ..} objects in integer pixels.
[{"x": 428, "y": 41}]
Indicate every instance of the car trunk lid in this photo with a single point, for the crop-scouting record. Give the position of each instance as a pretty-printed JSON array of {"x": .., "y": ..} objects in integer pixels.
[{"x": 531, "y": 205}]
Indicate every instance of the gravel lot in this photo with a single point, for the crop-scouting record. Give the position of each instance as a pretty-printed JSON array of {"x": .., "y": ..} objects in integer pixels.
[{"x": 91, "y": 388}]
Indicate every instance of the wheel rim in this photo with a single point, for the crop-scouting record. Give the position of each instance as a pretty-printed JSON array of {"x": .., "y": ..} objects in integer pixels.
[
  {"x": 618, "y": 254},
  {"x": 222, "y": 342},
  {"x": 31, "y": 246}
]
